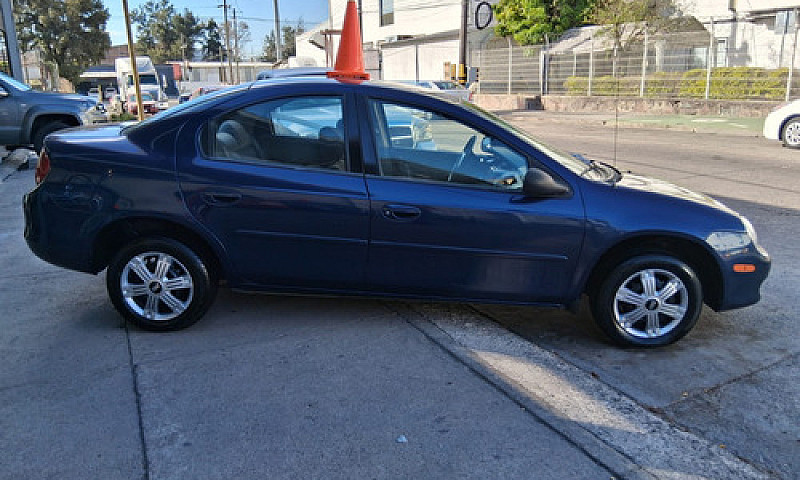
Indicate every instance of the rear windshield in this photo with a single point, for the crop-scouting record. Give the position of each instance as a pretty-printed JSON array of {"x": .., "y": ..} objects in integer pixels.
[{"x": 194, "y": 104}]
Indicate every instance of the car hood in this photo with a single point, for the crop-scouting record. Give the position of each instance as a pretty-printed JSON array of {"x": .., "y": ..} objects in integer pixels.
[
  {"x": 661, "y": 187},
  {"x": 69, "y": 97}
]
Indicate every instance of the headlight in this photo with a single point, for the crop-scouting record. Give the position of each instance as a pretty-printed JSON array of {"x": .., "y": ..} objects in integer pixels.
[
  {"x": 748, "y": 227},
  {"x": 753, "y": 236},
  {"x": 728, "y": 242},
  {"x": 731, "y": 243}
]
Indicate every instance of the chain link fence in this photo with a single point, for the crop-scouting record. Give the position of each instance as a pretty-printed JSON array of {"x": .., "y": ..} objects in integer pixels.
[{"x": 685, "y": 65}]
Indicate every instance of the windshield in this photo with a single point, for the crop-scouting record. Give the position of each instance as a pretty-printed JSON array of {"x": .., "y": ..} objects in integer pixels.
[
  {"x": 579, "y": 166},
  {"x": 448, "y": 85},
  {"x": 14, "y": 83},
  {"x": 147, "y": 79}
]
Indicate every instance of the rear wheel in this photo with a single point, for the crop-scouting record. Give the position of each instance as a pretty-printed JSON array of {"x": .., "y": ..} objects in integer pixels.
[
  {"x": 648, "y": 300},
  {"x": 160, "y": 284},
  {"x": 791, "y": 133}
]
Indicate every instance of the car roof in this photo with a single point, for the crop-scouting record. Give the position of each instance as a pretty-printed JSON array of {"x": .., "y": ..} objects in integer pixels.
[
  {"x": 380, "y": 85},
  {"x": 292, "y": 72}
]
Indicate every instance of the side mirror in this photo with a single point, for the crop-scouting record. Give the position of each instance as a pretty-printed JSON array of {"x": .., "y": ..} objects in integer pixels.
[
  {"x": 540, "y": 184},
  {"x": 3, "y": 93}
]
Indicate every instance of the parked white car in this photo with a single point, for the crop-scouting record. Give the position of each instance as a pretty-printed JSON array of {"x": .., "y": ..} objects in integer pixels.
[
  {"x": 447, "y": 87},
  {"x": 783, "y": 123}
]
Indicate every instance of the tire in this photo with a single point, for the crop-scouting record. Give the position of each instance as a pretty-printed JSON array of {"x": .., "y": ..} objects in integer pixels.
[
  {"x": 791, "y": 133},
  {"x": 160, "y": 284},
  {"x": 38, "y": 136},
  {"x": 648, "y": 301}
]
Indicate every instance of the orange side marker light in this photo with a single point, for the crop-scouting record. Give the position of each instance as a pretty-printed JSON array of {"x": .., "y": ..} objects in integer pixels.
[{"x": 744, "y": 268}]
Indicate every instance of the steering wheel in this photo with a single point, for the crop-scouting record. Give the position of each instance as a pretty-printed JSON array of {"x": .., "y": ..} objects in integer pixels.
[{"x": 467, "y": 152}]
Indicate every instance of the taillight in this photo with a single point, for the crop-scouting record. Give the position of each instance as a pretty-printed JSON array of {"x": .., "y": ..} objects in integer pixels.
[{"x": 43, "y": 167}]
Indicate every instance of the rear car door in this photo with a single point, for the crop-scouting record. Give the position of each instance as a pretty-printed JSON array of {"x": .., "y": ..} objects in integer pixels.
[
  {"x": 273, "y": 180},
  {"x": 449, "y": 218}
]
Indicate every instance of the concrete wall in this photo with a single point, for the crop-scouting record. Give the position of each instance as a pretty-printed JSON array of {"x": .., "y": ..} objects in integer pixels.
[
  {"x": 400, "y": 62},
  {"x": 650, "y": 106}
]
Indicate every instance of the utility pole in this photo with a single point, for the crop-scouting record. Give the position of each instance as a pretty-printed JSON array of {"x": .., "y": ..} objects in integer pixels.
[
  {"x": 236, "y": 43},
  {"x": 278, "y": 53},
  {"x": 461, "y": 74},
  {"x": 132, "y": 55},
  {"x": 225, "y": 7}
]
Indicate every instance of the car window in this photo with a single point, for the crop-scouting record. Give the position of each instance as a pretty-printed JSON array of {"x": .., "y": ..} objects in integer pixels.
[
  {"x": 414, "y": 143},
  {"x": 299, "y": 131},
  {"x": 447, "y": 85},
  {"x": 14, "y": 83}
]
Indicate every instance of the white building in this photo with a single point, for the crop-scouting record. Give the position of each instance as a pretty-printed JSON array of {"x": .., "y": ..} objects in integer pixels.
[
  {"x": 403, "y": 39},
  {"x": 753, "y": 33}
]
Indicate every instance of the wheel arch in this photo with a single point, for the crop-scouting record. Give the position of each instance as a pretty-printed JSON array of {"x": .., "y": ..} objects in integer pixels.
[
  {"x": 42, "y": 119},
  {"x": 123, "y": 231},
  {"x": 783, "y": 124},
  {"x": 699, "y": 258}
]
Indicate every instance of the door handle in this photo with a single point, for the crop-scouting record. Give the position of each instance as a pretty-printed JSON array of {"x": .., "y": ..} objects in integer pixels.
[
  {"x": 221, "y": 198},
  {"x": 400, "y": 212}
]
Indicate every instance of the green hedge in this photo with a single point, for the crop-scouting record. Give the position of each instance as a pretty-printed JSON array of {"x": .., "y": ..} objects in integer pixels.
[{"x": 728, "y": 83}]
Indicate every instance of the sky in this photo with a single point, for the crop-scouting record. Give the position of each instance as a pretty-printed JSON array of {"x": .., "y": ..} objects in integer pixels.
[{"x": 258, "y": 14}]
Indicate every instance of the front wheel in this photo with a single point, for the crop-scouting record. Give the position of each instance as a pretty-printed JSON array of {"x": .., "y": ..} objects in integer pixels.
[
  {"x": 648, "y": 300},
  {"x": 160, "y": 284},
  {"x": 45, "y": 130},
  {"x": 791, "y": 133}
]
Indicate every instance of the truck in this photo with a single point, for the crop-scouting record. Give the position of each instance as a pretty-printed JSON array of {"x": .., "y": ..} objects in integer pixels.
[
  {"x": 28, "y": 115},
  {"x": 148, "y": 80}
]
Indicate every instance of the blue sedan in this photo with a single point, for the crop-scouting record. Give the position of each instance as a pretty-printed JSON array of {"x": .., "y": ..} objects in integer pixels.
[{"x": 315, "y": 185}]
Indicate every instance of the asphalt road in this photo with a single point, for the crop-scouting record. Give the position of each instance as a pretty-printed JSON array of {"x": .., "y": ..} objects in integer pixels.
[
  {"x": 735, "y": 379},
  {"x": 283, "y": 387}
]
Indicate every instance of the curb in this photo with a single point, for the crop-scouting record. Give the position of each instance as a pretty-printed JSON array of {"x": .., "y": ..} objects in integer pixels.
[
  {"x": 599, "y": 452},
  {"x": 609, "y": 427}
]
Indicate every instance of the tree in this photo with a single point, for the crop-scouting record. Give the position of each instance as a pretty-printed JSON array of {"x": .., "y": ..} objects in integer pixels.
[
  {"x": 164, "y": 34},
  {"x": 240, "y": 34},
  {"x": 290, "y": 38},
  {"x": 288, "y": 41},
  {"x": 626, "y": 21},
  {"x": 70, "y": 33},
  {"x": 212, "y": 41},
  {"x": 269, "y": 50},
  {"x": 190, "y": 31},
  {"x": 529, "y": 21}
]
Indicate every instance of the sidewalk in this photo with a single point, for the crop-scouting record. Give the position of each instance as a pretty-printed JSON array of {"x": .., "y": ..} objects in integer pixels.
[{"x": 10, "y": 162}]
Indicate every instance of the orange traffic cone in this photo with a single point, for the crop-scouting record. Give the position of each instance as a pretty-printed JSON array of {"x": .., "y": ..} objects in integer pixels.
[{"x": 350, "y": 58}]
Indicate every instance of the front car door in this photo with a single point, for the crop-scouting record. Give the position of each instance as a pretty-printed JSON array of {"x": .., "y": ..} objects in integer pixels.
[
  {"x": 448, "y": 217},
  {"x": 10, "y": 121},
  {"x": 275, "y": 182}
]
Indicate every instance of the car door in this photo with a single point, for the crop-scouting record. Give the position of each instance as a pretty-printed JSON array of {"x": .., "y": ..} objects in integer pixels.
[
  {"x": 448, "y": 217},
  {"x": 273, "y": 181},
  {"x": 10, "y": 122}
]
